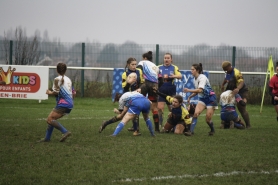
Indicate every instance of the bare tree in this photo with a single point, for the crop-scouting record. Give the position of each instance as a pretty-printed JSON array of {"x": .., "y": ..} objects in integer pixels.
[{"x": 25, "y": 51}]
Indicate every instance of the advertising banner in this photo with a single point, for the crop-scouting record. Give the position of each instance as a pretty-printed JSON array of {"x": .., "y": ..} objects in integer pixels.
[
  {"x": 23, "y": 82},
  {"x": 187, "y": 81}
]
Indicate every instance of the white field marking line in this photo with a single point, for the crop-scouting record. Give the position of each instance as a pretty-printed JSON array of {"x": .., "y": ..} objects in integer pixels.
[
  {"x": 219, "y": 174},
  {"x": 86, "y": 118},
  {"x": 78, "y": 118},
  {"x": 64, "y": 118},
  {"x": 54, "y": 106},
  {"x": 215, "y": 114}
]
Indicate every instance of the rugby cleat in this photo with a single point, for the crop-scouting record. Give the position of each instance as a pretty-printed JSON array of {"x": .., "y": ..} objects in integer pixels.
[
  {"x": 187, "y": 133},
  {"x": 211, "y": 133},
  {"x": 136, "y": 133},
  {"x": 43, "y": 140},
  {"x": 65, "y": 136},
  {"x": 101, "y": 128},
  {"x": 130, "y": 129}
]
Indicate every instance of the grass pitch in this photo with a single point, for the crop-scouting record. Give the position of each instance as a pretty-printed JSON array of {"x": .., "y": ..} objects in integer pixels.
[{"x": 231, "y": 156}]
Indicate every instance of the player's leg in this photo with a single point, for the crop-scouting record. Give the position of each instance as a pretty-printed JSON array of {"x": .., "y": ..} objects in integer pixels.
[
  {"x": 238, "y": 123},
  {"x": 112, "y": 120},
  {"x": 180, "y": 127},
  {"x": 160, "y": 107},
  {"x": 127, "y": 117},
  {"x": 145, "y": 111},
  {"x": 276, "y": 109},
  {"x": 275, "y": 103},
  {"x": 243, "y": 111},
  {"x": 167, "y": 127},
  {"x": 211, "y": 105},
  {"x": 52, "y": 118},
  {"x": 153, "y": 98},
  {"x": 209, "y": 114},
  {"x": 135, "y": 124},
  {"x": 200, "y": 107}
]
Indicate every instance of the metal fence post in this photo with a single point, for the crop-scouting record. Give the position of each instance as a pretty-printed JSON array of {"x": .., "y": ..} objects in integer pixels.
[
  {"x": 234, "y": 56},
  {"x": 82, "y": 71},
  {"x": 157, "y": 55},
  {"x": 11, "y": 53}
]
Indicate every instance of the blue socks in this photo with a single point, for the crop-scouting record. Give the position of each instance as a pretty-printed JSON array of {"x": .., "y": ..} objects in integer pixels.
[
  {"x": 118, "y": 128},
  {"x": 193, "y": 124},
  {"x": 59, "y": 126},
  {"x": 150, "y": 126},
  {"x": 49, "y": 131},
  {"x": 211, "y": 126},
  {"x": 62, "y": 128}
]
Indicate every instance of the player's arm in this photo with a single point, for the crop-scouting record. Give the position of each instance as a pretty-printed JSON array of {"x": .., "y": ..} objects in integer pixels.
[
  {"x": 193, "y": 91},
  {"x": 73, "y": 92},
  {"x": 142, "y": 80},
  {"x": 270, "y": 88},
  {"x": 140, "y": 66},
  {"x": 168, "y": 98},
  {"x": 223, "y": 84},
  {"x": 177, "y": 73},
  {"x": 239, "y": 79},
  {"x": 186, "y": 116},
  {"x": 123, "y": 112},
  {"x": 160, "y": 78},
  {"x": 49, "y": 92},
  {"x": 55, "y": 88},
  {"x": 125, "y": 85}
]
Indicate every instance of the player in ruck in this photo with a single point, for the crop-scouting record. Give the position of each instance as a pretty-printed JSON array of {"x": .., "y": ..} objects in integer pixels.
[
  {"x": 134, "y": 103},
  {"x": 152, "y": 77},
  {"x": 229, "y": 116}
]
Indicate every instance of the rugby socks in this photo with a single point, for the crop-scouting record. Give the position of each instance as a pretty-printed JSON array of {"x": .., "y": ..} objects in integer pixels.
[
  {"x": 49, "y": 131},
  {"x": 238, "y": 125},
  {"x": 150, "y": 126},
  {"x": 118, "y": 128},
  {"x": 112, "y": 120},
  {"x": 187, "y": 127},
  {"x": 135, "y": 122},
  {"x": 160, "y": 116},
  {"x": 211, "y": 126},
  {"x": 193, "y": 124},
  {"x": 58, "y": 126},
  {"x": 277, "y": 118},
  {"x": 134, "y": 125},
  {"x": 156, "y": 120},
  {"x": 246, "y": 118}
]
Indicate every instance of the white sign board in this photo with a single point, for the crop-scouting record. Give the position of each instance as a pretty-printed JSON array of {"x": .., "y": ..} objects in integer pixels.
[{"x": 24, "y": 82}]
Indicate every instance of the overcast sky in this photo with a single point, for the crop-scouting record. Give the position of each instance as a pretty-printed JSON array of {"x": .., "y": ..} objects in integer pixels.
[{"x": 250, "y": 23}]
